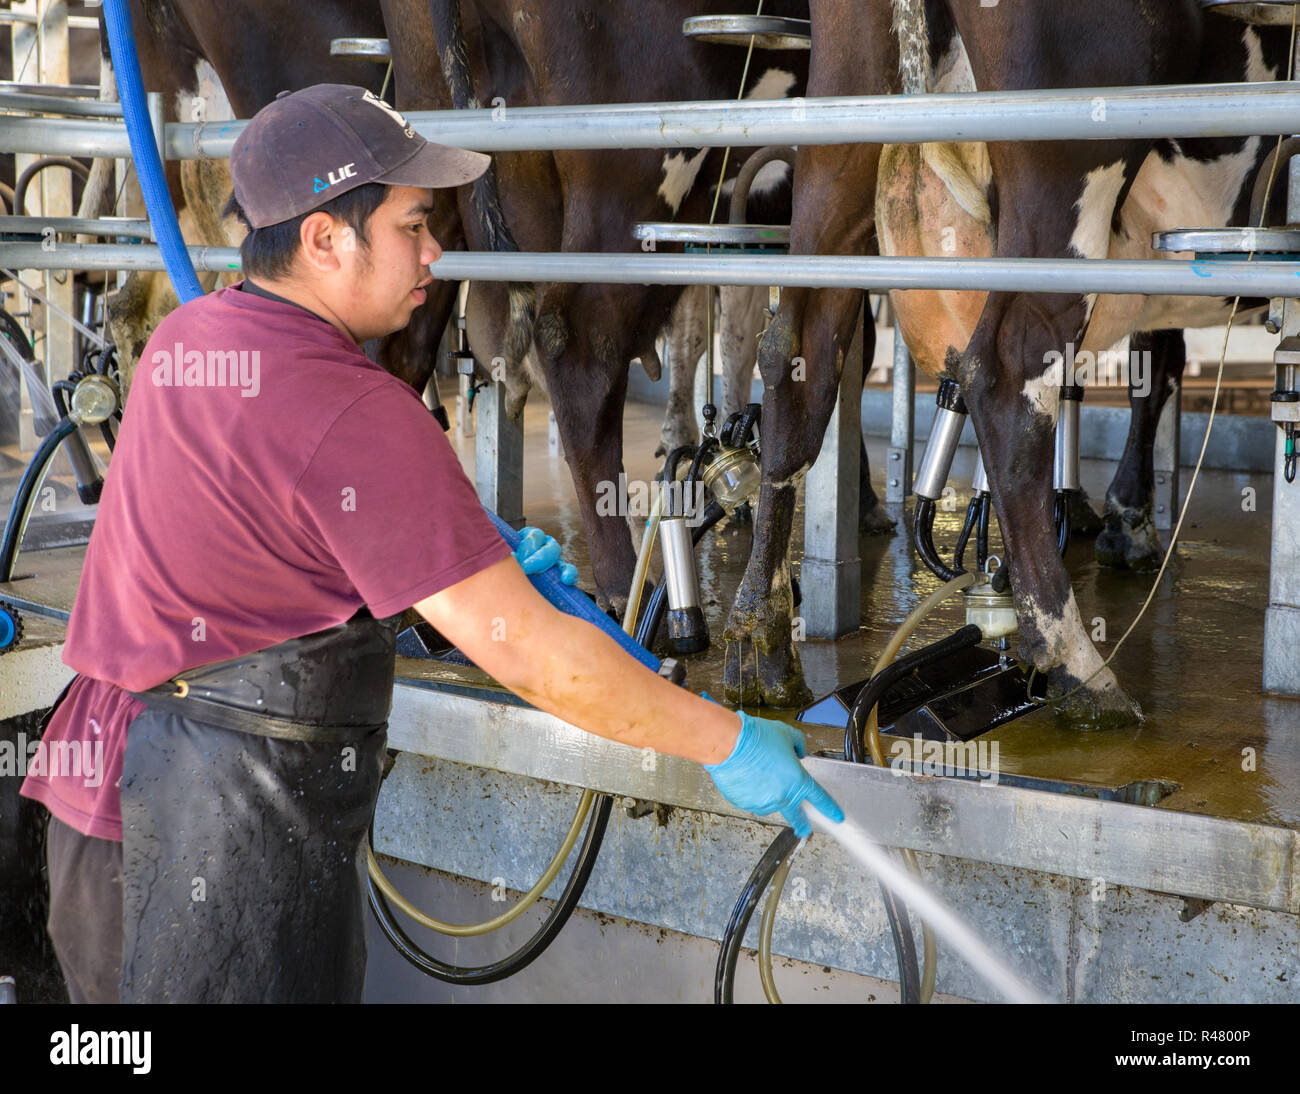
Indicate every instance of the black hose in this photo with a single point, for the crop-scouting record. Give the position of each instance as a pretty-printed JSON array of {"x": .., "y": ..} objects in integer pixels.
[
  {"x": 12, "y": 329},
  {"x": 31, "y": 171},
  {"x": 57, "y": 389},
  {"x": 982, "y": 533},
  {"x": 530, "y": 950},
  {"x": 735, "y": 433},
  {"x": 724, "y": 976},
  {"x": 923, "y": 540},
  {"x": 874, "y": 689},
  {"x": 20, "y": 510},
  {"x": 706, "y": 446},
  {"x": 968, "y": 526},
  {"x": 733, "y": 936}
]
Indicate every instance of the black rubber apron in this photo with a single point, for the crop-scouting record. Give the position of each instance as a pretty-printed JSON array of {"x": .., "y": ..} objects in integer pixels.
[{"x": 247, "y": 791}]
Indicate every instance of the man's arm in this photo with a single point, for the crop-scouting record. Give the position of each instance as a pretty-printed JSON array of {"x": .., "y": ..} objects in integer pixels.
[{"x": 571, "y": 669}]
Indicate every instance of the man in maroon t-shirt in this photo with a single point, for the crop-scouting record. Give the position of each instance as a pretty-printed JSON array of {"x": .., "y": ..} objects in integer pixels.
[{"x": 255, "y": 544}]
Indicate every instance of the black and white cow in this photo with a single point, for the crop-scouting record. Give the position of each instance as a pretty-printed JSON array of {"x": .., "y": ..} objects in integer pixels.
[
  {"x": 563, "y": 52},
  {"x": 1091, "y": 199}
]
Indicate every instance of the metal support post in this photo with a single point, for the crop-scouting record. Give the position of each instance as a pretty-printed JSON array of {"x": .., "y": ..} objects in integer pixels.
[
  {"x": 1169, "y": 433},
  {"x": 898, "y": 464},
  {"x": 1282, "y": 618},
  {"x": 26, "y": 66},
  {"x": 831, "y": 578},
  {"x": 499, "y": 455},
  {"x": 55, "y": 185}
]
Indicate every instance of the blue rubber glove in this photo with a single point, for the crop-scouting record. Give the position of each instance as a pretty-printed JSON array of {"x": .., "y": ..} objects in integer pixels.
[
  {"x": 537, "y": 552},
  {"x": 763, "y": 774}
]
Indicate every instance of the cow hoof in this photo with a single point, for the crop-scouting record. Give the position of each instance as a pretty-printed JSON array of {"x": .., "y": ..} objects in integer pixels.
[
  {"x": 1129, "y": 541},
  {"x": 875, "y": 520},
  {"x": 762, "y": 667},
  {"x": 1099, "y": 704},
  {"x": 1084, "y": 520}
]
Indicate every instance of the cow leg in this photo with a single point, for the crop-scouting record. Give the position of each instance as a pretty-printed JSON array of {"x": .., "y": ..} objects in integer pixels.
[
  {"x": 581, "y": 343},
  {"x": 1013, "y": 405},
  {"x": 1012, "y": 393},
  {"x": 800, "y": 356},
  {"x": 1129, "y": 539},
  {"x": 685, "y": 338}
]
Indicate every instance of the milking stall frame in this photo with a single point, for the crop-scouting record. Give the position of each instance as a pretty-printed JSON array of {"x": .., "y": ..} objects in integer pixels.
[{"x": 1028, "y": 860}]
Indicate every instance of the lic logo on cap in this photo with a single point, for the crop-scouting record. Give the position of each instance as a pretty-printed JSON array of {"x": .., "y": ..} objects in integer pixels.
[{"x": 347, "y": 171}]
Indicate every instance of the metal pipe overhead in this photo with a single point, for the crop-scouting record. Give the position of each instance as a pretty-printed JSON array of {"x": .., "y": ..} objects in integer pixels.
[
  {"x": 1075, "y": 275},
  {"x": 109, "y": 256},
  {"x": 1079, "y": 275},
  {"x": 125, "y": 227},
  {"x": 1198, "y": 110},
  {"x": 52, "y": 104}
]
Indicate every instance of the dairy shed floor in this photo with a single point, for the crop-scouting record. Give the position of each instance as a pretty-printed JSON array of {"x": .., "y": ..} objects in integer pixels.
[{"x": 1193, "y": 664}]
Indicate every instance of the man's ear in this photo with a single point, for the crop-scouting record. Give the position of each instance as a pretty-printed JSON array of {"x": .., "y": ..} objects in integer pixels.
[{"x": 322, "y": 237}]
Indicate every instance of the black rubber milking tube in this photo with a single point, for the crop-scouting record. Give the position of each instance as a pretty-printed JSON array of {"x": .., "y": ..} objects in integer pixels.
[
  {"x": 909, "y": 979},
  {"x": 1062, "y": 515},
  {"x": 982, "y": 533},
  {"x": 530, "y": 950},
  {"x": 923, "y": 540},
  {"x": 968, "y": 526}
]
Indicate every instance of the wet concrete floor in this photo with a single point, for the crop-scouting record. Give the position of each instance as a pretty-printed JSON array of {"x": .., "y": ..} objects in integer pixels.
[{"x": 1193, "y": 664}]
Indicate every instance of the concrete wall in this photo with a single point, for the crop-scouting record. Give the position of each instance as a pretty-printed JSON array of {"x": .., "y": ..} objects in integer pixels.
[{"x": 1072, "y": 942}]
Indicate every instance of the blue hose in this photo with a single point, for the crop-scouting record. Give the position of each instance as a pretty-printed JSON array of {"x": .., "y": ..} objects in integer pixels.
[
  {"x": 575, "y": 602},
  {"x": 162, "y": 215},
  {"x": 148, "y": 165}
]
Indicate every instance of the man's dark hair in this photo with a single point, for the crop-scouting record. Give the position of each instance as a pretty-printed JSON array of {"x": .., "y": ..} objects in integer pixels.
[{"x": 269, "y": 252}]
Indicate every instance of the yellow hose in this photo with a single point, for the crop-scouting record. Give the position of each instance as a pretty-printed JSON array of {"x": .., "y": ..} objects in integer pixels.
[
  {"x": 765, "y": 929},
  {"x": 871, "y": 735},
  {"x": 643, "y": 560},
  {"x": 465, "y": 930}
]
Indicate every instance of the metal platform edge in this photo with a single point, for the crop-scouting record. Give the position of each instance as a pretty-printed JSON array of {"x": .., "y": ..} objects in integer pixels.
[{"x": 1159, "y": 850}]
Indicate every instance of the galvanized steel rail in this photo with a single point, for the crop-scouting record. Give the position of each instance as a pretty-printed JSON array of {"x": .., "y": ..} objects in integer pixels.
[
  {"x": 1216, "y": 277},
  {"x": 1183, "y": 110}
]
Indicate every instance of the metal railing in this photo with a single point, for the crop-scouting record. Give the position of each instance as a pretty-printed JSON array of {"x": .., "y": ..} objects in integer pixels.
[
  {"x": 1199, "y": 110},
  {"x": 1074, "y": 275}
]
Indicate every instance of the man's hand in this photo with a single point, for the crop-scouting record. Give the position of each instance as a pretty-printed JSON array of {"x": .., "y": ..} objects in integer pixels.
[
  {"x": 537, "y": 552},
  {"x": 763, "y": 774}
]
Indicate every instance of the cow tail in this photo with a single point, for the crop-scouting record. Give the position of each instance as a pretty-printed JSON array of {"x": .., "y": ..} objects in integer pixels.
[
  {"x": 913, "y": 46},
  {"x": 485, "y": 199}
]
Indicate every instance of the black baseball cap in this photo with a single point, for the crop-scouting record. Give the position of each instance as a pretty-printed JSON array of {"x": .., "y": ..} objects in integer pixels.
[{"x": 309, "y": 146}]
